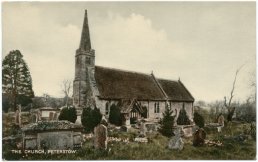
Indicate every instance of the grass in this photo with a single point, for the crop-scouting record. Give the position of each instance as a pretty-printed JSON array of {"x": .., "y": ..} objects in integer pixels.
[{"x": 155, "y": 149}]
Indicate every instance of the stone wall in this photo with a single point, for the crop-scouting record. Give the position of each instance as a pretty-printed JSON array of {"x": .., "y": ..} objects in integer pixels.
[{"x": 55, "y": 140}]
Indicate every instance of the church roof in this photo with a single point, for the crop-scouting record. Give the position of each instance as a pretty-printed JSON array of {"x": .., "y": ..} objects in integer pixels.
[
  {"x": 175, "y": 90},
  {"x": 119, "y": 84}
]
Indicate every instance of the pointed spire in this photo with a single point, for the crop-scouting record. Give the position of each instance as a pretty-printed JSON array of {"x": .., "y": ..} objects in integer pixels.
[{"x": 85, "y": 44}]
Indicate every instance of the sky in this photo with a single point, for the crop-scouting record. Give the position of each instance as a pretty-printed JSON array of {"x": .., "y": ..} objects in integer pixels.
[{"x": 202, "y": 43}]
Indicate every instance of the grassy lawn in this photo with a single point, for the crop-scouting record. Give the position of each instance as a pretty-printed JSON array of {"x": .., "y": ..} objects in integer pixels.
[{"x": 156, "y": 149}]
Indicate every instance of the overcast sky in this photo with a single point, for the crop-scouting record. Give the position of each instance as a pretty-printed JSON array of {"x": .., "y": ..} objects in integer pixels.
[{"x": 203, "y": 43}]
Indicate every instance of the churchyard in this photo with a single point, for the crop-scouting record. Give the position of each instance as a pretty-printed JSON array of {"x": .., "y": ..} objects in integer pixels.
[{"x": 121, "y": 145}]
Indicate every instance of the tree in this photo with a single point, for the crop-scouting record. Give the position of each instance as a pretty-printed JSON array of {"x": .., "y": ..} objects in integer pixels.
[
  {"x": 66, "y": 89},
  {"x": 183, "y": 118},
  {"x": 90, "y": 118},
  {"x": 68, "y": 113},
  {"x": 16, "y": 78},
  {"x": 198, "y": 119},
  {"x": 167, "y": 123},
  {"x": 115, "y": 116},
  {"x": 228, "y": 105}
]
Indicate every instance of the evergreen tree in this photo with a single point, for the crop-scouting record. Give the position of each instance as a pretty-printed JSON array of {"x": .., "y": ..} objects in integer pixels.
[
  {"x": 183, "y": 118},
  {"x": 167, "y": 123},
  {"x": 68, "y": 113},
  {"x": 90, "y": 118},
  {"x": 16, "y": 78},
  {"x": 115, "y": 115},
  {"x": 199, "y": 120}
]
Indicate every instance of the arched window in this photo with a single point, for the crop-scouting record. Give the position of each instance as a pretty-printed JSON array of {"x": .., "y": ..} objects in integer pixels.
[
  {"x": 156, "y": 107},
  {"x": 107, "y": 108}
]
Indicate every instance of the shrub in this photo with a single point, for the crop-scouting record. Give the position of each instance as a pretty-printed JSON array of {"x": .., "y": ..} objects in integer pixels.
[
  {"x": 183, "y": 118},
  {"x": 68, "y": 113},
  {"x": 90, "y": 118},
  {"x": 166, "y": 123},
  {"x": 115, "y": 115},
  {"x": 198, "y": 119}
]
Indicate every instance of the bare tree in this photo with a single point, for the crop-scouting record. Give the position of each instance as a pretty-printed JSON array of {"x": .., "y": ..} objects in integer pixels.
[
  {"x": 228, "y": 105},
  {"x": 66, "y": 89}
]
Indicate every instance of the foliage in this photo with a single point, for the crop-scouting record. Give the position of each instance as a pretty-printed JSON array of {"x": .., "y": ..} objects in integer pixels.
[
  {"x": 156, "y": 149},
  {"x": 68, "y": 113},
  {"x": 167, "y": 123},
  {"x": 246, "y": 111},
  {"x": 16, "y": 78},
  {"x": 183, "y": 118},
  {"x": 115, "y": 115},
  {"x": 253, "y": 131},
  {"x": 90, "y": 118},
  {"x": 198, "y": 119},
  {"x": 39, "y": 102}
]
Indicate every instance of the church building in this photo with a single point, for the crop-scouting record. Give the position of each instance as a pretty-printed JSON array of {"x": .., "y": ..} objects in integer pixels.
[{"x": 137, "y": 95}]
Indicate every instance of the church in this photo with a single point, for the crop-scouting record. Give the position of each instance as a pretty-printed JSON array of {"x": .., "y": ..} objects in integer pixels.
[{"x": 137, "y": 95}]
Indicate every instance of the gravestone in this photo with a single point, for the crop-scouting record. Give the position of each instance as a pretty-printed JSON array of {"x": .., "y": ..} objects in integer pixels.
[
  {"x": 176, "y": 141},
  {"x": 51, "y": 116},
  {"x": 55, "y": 116},
  {"x": 221, "y": 120},
  {"x": 39, "y": 115},
  {"x": 100, "y": 136},
  {"x": 18, "y": 116},
  {"x": 199, "y": 137},
  {"x": 142, "y": 129}
]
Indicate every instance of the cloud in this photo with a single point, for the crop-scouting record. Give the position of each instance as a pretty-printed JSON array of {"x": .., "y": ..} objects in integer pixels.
[
  {"x": 48, "y": 48},
  {"x": 203, "y": 48}
]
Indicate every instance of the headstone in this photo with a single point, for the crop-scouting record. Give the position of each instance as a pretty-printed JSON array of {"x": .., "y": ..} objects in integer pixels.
[
  {"x": 199, "y": 137},
  {"x": 100, "y": 136},
  {"x": 39, "y": 115},
  {"x": 51, "y": 116},
  {"x": 55, "y": 116},
  {"x": 123, "y": 128},
  {"x": 176, "y": 141},
  {"x": 221, "y": 120},
  {"x": 142, "y": 129},
  {"x": 18, "y": 116}
]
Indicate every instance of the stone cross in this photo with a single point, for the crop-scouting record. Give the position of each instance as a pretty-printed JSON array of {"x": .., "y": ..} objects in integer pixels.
[{"x": 100, "y": 137}]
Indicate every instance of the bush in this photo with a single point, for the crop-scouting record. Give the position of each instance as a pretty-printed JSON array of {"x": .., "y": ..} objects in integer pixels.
[
  {"x": 115, "y": 115},
  {"x": 90, "y": 118},
  {"x": 68, "y": 113},
  {"x": 167, "y": 123},
  {"x": 183, "y": 118},
  {"x": 198, "y": 119}
]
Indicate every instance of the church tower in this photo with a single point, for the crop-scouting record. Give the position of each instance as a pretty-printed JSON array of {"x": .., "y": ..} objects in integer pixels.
[{"x": 84, "y": 61}]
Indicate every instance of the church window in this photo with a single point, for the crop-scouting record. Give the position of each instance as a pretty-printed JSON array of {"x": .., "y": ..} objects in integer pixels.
[
  {"x": 156, "y": 107},
  {"x": 88, "y": 60},
  {"x": 107, "y": 108}
]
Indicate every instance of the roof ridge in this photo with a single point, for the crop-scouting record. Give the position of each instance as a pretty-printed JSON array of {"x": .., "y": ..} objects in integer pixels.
[
  {"x": 129, "y": 71},
  {"x": 186, "y": 89},
  {"x": 159, "y": 86},
  {"x": 168, "y": 79}
]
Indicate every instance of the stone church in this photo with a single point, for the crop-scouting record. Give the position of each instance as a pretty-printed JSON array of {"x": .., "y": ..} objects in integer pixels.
[{"x": 138, "y": 95}]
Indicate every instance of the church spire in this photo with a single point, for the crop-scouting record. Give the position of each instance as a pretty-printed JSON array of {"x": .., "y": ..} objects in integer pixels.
[{"x": 85, "y": 44}]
